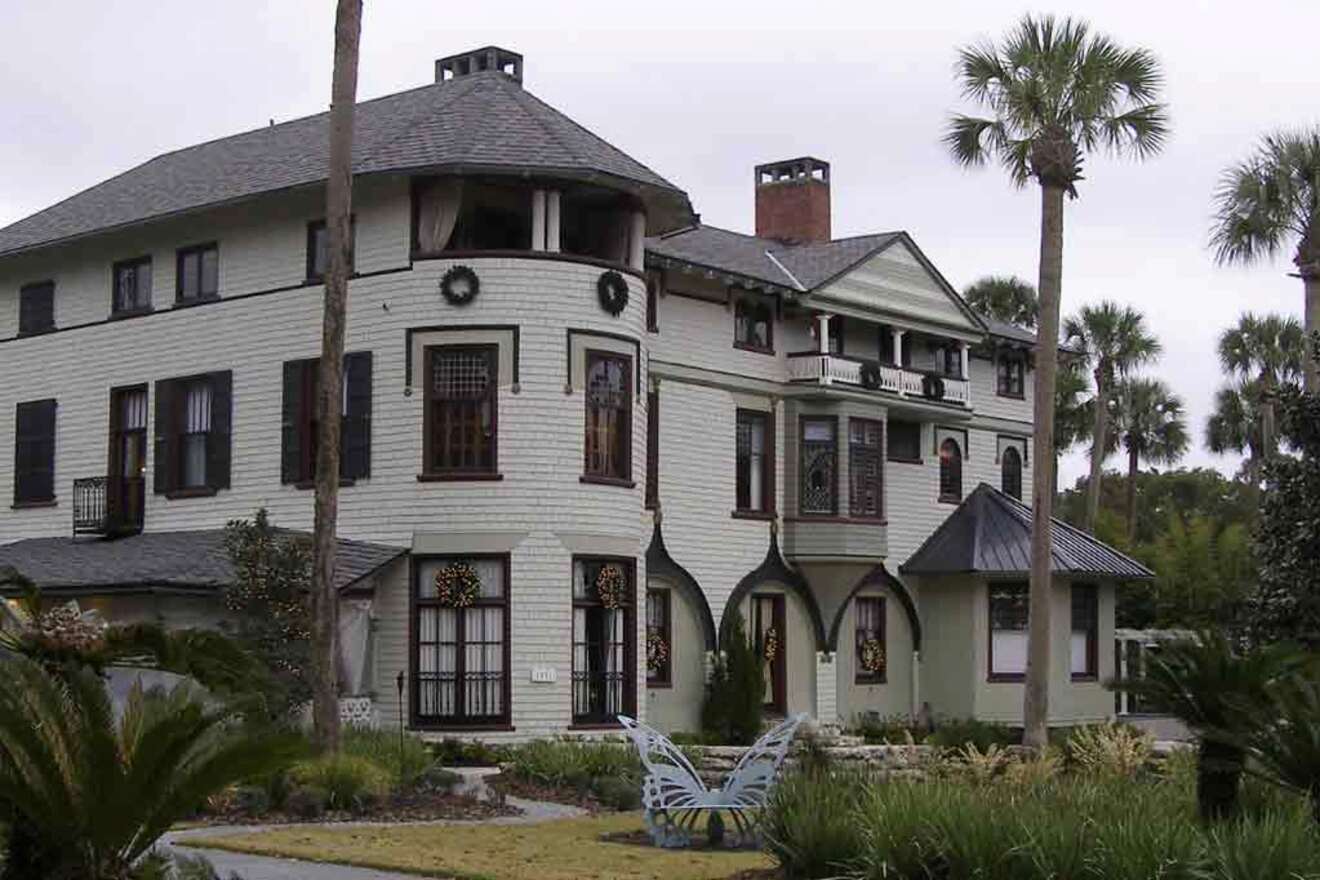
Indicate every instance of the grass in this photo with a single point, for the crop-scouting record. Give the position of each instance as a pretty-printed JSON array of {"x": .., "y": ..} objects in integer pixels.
[{"x": 569, "y": 849}]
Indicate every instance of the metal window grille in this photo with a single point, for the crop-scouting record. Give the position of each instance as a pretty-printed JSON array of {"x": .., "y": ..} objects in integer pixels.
[
  {"x": 463, "y": 402},
  {"x": 461, "y": 671}
]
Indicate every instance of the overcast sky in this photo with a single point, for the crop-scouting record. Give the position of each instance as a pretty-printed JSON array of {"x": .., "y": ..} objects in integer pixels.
[{"x": 702, "y": 91}]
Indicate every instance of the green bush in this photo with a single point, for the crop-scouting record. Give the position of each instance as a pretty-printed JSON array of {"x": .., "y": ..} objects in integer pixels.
[
  {"x": 460, "y": 753},
  {"x": 438, "y": 779},
  {"x": 572, "y": 763},
  {"x": 618, "y": 793},
  {"x": 307, "y": 802},
  {"x": 808, "y": 825},
  {"x": 349, "y": 781},
  {"x": 734, "y": 704},
  {"x": 953, "y": 733},
  {"x": 405, "y": 758},
  {"x": 887, "y": 730},
  {"x": 252, "y": 800}
]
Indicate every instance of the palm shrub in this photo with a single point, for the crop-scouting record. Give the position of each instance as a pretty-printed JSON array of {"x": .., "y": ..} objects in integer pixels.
[
  {"x": 405, "y": 757},
  {"x": 89, "y": 794},
  {"x": 735, "y": 695},
  {"x": 1288, "y": 746}
]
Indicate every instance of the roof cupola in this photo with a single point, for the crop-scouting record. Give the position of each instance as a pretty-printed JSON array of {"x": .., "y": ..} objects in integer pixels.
[{"x": 478, "y": 60}]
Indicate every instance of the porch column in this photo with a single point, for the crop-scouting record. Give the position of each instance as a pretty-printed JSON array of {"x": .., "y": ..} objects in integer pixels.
[
  {"x": 552, "y": 221},
  {"x": 538, "y": 219},
  {"x": 637, "y": 241},
  {"x": 965, "y": 351},
  {"x": 898, "y": 346},
  {"x": 827, "y": 687},
  {"x": 823, "y": 333}
]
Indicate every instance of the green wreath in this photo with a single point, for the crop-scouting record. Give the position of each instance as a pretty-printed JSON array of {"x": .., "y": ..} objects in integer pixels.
[
  {"x": 457, "y": 585},
  {"x": 612, "y": 290}
]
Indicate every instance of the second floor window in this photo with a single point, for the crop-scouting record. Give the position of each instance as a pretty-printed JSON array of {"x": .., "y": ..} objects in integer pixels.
[
  {"x": 753, "y": 323},
  {"x": 36, "y": 308},
  {"x": 299, "y": 439},
  {"x": 865, "y": 468},
  {"x": 950, "y": 471},
  {"x": 318, "y": 249},
  {"x": 198, "y": 273},
  {"x": 608, "y": 440},
  {"x": 1008, "y": 631},
  {"x": 132, "y": 280},
  {"x": 754, "y": 462},
  {"x": 904, "y": 441},
  {"x": 947, "y": 359},
  {"x": 462, "y": 412},
  {"x": 1010, "y": 370},
  {"x": 1011, "y": 477},
  {"x": 193, "y": 419},
  {"x": 819, "y": 467}
]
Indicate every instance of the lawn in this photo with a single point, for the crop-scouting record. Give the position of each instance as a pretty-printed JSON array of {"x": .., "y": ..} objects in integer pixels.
[{"x": 569, "y": 849}]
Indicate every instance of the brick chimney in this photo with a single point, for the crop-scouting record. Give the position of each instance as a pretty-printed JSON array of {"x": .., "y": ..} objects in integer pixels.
[{"x": 793, "y": 200}]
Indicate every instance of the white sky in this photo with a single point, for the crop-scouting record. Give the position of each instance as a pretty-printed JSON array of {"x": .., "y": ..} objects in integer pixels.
[{"x": 703, "y": 91}]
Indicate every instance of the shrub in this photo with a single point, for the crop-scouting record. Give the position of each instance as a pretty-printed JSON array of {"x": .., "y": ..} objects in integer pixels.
[
  {"x": 618, "y": 793},
  {"x": 437, "y": 779},
  {"x": 887, "y": 730},
  {"x": 734, "y": 704},
  {"x": 573, "y": 763},
  {"x": 251, "y": 800},
  {"x": 307, "y": 802},
  {"x": 1109, "y": 749},
  {"x": 954, "y": 733},
  {"x": 405, "y": 758},
  {"x": 808, "y": 827},
  {"x": 349, "y": 781},
  {"x": 459, "y": 753}
]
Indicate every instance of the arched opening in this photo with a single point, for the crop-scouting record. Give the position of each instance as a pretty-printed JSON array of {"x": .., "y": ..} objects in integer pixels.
[
  {"x": 950, "y": 471},
  {"x": 1010, "y": 479}
]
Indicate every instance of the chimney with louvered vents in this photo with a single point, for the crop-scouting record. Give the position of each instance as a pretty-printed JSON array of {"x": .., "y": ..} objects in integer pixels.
[{"x": 477, "y": 60}]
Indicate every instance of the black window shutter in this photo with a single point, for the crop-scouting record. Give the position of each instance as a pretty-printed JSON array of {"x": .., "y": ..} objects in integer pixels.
[
  {"x": 34, "y": 452},
  {"x": 355, "y": 444},
  {"x": 165, "y": 471},
  {"x": 217, "y": 441},
  {"x": 292, "y": 420}
]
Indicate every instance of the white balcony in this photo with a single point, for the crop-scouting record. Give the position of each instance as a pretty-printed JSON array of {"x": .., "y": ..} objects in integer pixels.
[{"x": 831, "y": 369}]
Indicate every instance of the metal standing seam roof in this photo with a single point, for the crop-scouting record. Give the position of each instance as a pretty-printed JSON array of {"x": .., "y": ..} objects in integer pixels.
[
  {"x": 180, "y": 560},
  {"x": 481, "y": 121},
  {"x": 990, "y": 533}
]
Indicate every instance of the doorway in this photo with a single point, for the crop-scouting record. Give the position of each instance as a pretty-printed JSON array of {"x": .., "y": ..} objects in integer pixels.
[{"x": 769, "y": 637}]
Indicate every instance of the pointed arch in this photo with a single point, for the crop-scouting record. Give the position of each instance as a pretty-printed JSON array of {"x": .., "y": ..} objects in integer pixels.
[
  {"x": 662, "y": 565},
  {"x": 774, "y": 569},
  {"x": 879, "y": 577}
]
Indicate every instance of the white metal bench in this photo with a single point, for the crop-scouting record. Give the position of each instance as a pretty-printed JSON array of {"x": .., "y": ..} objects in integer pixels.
[{"x": 675, "y": 798}]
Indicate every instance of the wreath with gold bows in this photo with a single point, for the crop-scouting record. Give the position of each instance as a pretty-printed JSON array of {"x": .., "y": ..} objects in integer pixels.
[
  {"x": 457, "y": 585},
  {"x": 873, "y": 656},
  {"x": 610, "y": 587},
  {"x": 770, "y": 645},
  {"x": 657, "y": 652}
]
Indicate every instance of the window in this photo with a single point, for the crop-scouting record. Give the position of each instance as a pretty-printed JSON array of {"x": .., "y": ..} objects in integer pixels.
[
  {"x": 491, "y": 216},
  {"x": 1008, "y": 632},
  {"x": 36, "y": 308},
  {"x": 125, "y": 497},
  {"x": 1083, "y": 654},
  {"x": 948, "y": 359},
  {"x": 870, "y": 662},
  {"x": 198, "y": 276},
  {"x": 653, "y": 282},
  {"x": 298, "y": 439},
  {"x": 1010, "y": 464},
  {"x": 753, "y": 326},
  {"x": 768, "y": 627},
  {"x": 461, "y": 659},
  {"x": 885, "y": 343},
  {"x": 652, "y": 450},
  {"x": 1009, "y": 372},
  {"x": 318, "y": 248},
  {"x": 754, "y": 466},
  {"x": 608, "y": 441},
  {"x": 462, "y": 413},
  {"x": 659, "y": 639},
  {"x": 193, "y": 421},
  {"x": 34, "y": 453},
  {"x": 950, "y": 471},
  {"x": 835, "y": 336},
  {"x": 132, "y": 293},
  {"x": 905, "y": 441},
  {"x": 819, "y": 467},
  {"x": 865, "y": 468},
  {"x": 604, "y": 641}
]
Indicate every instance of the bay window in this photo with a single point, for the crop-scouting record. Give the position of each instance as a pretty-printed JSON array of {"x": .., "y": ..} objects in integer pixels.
[{"x": 819, "y": 490}]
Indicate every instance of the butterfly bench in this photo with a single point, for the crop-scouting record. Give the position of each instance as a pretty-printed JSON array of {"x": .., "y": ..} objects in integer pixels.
[{"x": 675, "y": 798}]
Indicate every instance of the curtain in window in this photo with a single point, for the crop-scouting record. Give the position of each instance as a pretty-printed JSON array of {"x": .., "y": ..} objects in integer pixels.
[
  {"x": 437, "y": 213},
  {"x": 1008, "y": 630},
  {"x": 751, "y": 452},
  {"x": 601, "y": 668},
  {"x": 196, "y": 427},
  {"x": 461, "y": 675}
]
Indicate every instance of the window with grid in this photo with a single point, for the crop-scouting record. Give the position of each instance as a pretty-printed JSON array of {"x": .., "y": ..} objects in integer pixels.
[
  {"x": 198, "y": 275},
  {"x": 1008, "y": 631},
  {"x": 659, "y": 639},
  {"x": 1084, "y": 644},
  {"x": 608, "y": 441},
  {"x": 754, "y": 462},
  {"x": 904, "y": 441},
  {"x": 461, "y": 665},
  {"x": 753, "y": 325},
  {"x": 1009, "y": 371},
  {"x": 604, "y": 644},
  {"x": 1010, "y": 465},
  {"x": 865, "y": 468},
  {"x": 132, "y": 280},
  {"x": 950, "y": 471},
  {"x": 462, "y": 410},
  {"x": 869, "y": 613},
  {"x": 819, "y": 467}
]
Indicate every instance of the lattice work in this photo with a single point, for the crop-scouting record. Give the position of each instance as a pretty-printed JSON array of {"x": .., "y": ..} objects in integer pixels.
[
  {"x": 357, "y": 712},
  {"x": 461, "y": 375}
]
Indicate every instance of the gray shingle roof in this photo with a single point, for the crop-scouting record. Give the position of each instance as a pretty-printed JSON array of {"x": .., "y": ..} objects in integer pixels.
[
  {"x": 483, "y": 121},
  {"x": 188, "y": 560},
  {"x": 990, "y": 533},
  {"x": 1009, "y": 331}
]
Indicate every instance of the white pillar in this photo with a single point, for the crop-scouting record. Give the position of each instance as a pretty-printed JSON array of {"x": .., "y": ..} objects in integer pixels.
[
  {"x": 965, "y": 351},
  {"x": 898, "y": 347},
  {"x": 552, "y": 221},
  {"x": 538, "y": 219},
  {"x": 823, "y": 333},
  {"x": 637, "y": 241}
]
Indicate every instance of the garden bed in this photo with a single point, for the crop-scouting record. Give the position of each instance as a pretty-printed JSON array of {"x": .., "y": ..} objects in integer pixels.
[{"x": 402, "y": 807}]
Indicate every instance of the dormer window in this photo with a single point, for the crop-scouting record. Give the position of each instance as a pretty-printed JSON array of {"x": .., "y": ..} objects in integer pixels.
[
  {"x": 1010, "y": 371},
  {"x": 753, "y": 325}
]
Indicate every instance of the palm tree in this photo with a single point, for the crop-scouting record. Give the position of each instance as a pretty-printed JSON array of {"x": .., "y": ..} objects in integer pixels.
[
  {"x": 1072, "y": 410},
  {"x": 1265, "y": 203},
  {"x": 1267, "y": 352},
  {"x": 1054, "y": 92},
  {"x": 1234, "y": 426},
  {"x": 1149, "y": 422},
  {"x": 1113, "y": 341},
  {"x": 1005, "y": 298},
  {"x": 339, "y": 245},
  {"x": 1288, "y": 745},
  {"x": 89, "y": 793}
]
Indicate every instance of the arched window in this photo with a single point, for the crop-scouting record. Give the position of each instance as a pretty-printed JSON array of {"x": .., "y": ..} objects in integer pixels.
[
  {"x": 950, "y": 471},
  {"x": 1011, "y": 472}
]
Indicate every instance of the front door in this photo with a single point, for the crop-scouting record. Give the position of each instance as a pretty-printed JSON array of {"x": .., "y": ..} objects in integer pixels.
[
  {"x": 124, "y": 493},
  {"x": 769, "y": 638}
]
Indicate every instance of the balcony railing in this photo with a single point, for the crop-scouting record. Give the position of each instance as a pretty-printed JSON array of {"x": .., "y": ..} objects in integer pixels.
[
  {"x": 108, "y": 506},
  {"x": 830, "y": 369}
]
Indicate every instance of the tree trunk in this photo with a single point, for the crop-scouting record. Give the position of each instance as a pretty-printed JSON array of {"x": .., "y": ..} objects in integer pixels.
[
  {"x": 1035, "y": 707},
  {"x": 339, "y": 185},
  {"x": 1218, "y": 779},
  {"x": 1312, "y": 325},
  {"x": 1098, "y": 431},
  {"x": 1132, "y": 498}
]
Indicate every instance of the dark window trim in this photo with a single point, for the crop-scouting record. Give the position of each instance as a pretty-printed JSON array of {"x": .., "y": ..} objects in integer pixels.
[
  {"x": 992, "y": 676},
  {"x": 511, "y": 329},
  {"x": 45, "y": 287},
  {"x": 852, "y": 474},
  {"x": 1003, "y": 389},
  {"x": 1004, "y": 472},
  {"x": 860, "y": 676},
  {"x": 743, "y": 302},
  {"x": 778, "y": 603},
  {"x": 652, "y": 450},
  {"x": 1092, "y": 672},
  {"x": 626, "y": 424},
  {"x": 138, "y": 308},
  {"x": 303, "y": 475},
  {"x": 179, "y": 255},
  {"x": 420, "y": 722},
  {"x": 769, "y": 491},
  {"x": 665, "y": 679},
  {"x": 429, "y": 472},
  {"x": 833, "y": 422},
  {"x": 582, "y": 722}
]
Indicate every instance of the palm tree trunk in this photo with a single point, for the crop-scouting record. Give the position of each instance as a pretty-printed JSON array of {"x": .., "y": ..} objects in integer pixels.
[
  {"x": 339, "y": 186},
  {"x": 1132, "y": 497},
  {"x": 1100, "y": 427},
  {"x": 1218, "y": 778},
  {"x": 1036, "y": 692},
  {"x": 1311, "y": 318}
]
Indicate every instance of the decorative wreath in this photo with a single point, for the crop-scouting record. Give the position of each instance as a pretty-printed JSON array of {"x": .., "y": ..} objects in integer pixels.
[
  {"x": 770, "y": 645},
  {"x": 932, "y": 387},
  {"x": 873, "y": 656},
  {"x": 870, "y": 375},
  {"x": 458, "y": 585},
  {"x": 610, "y": 587},
  {"x": 612, "y": 291},
  {"x": 657, "y": 652},
  {"x": 459, "y": 286}
]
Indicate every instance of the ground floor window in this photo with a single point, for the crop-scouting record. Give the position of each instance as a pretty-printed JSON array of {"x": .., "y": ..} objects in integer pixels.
[
  {"x": 461, "y": 641},
  {"x": 768, "y": 638},
  {"x": 870, "y": 661},
  {"x": 1008, "y": 631},
  {"x": 604, "y": 640},
  {"x": 659, "y": 639},
  {"x": 1084, "y": 650}
]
